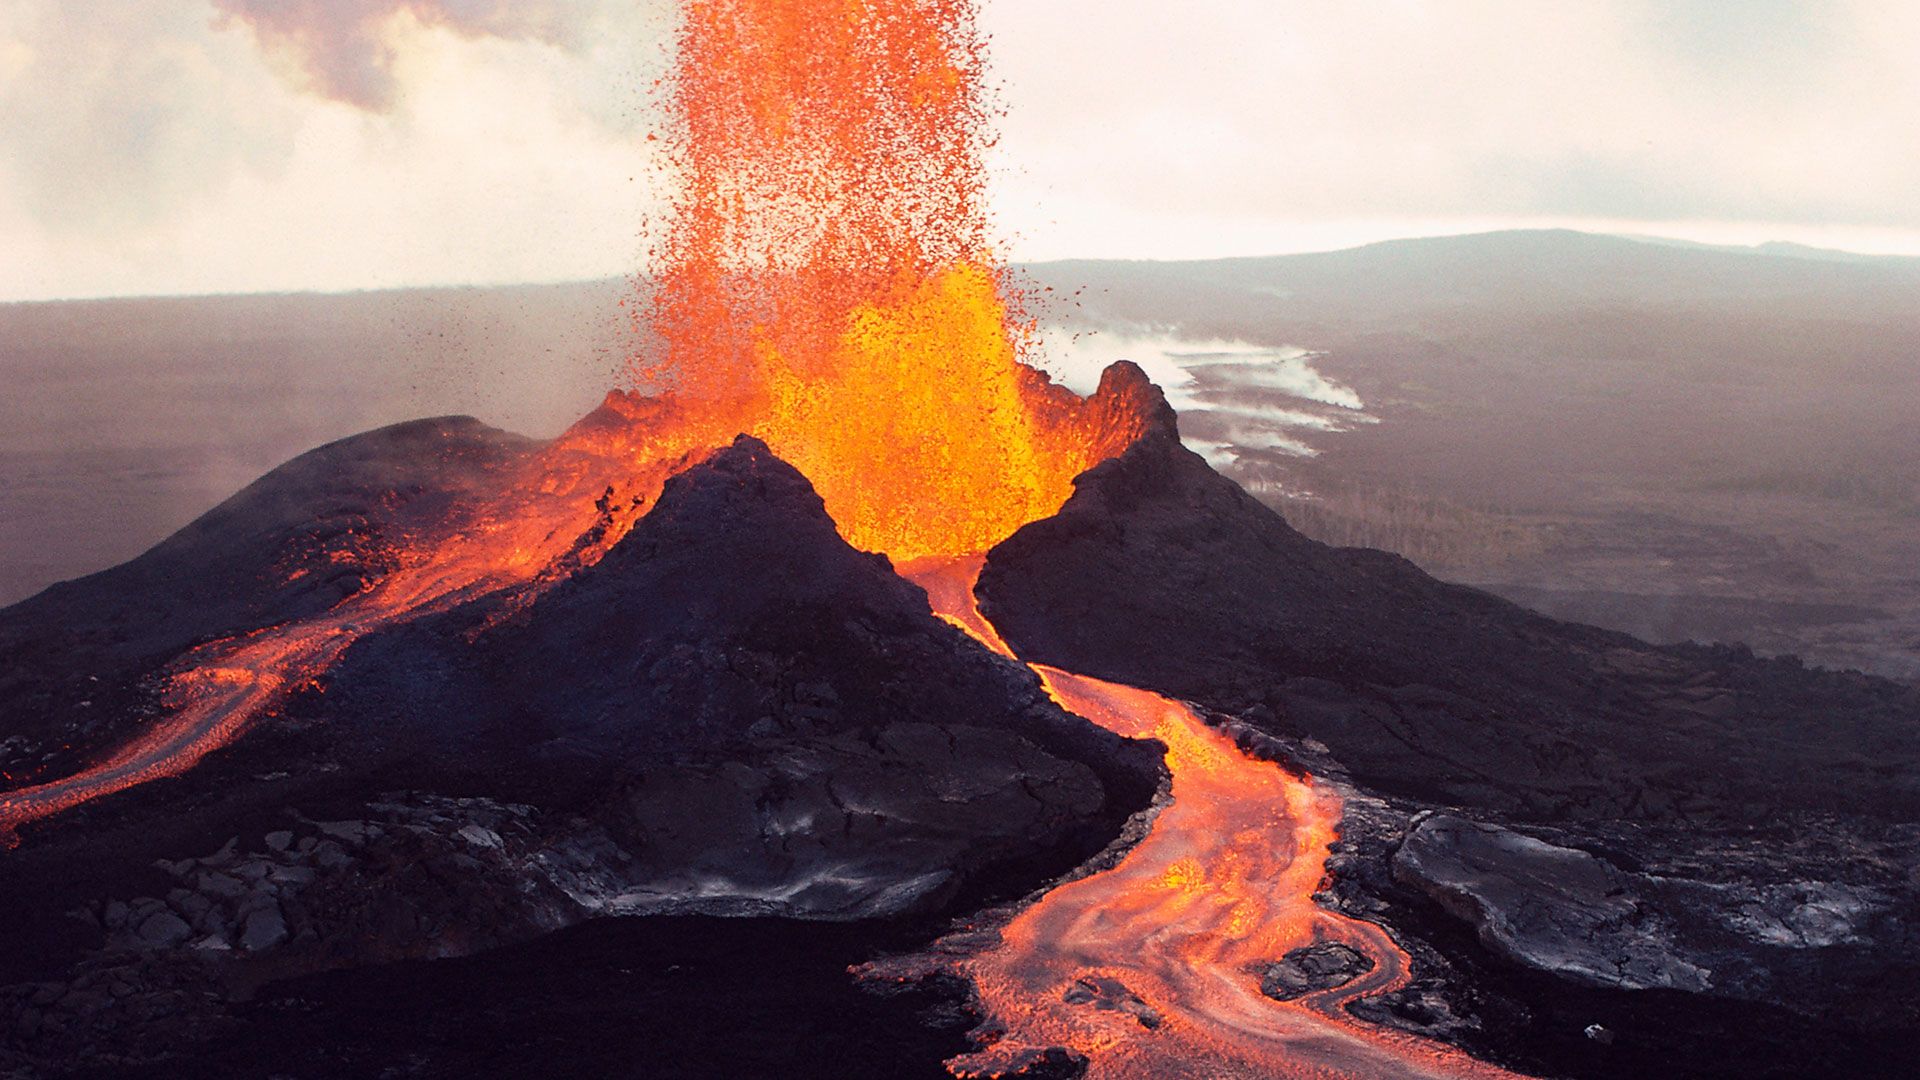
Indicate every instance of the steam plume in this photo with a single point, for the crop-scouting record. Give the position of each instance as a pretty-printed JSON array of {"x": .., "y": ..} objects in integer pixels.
[{"x": 344, "y": 49}]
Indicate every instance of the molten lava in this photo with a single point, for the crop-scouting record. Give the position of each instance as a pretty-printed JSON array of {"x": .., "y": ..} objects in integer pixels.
[
  {"x": 1151, "y": 968},
  {"x": 826, "y": 282}
]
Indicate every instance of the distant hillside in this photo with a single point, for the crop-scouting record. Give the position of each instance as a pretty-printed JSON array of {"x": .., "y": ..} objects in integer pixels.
[
  {"x": 124, "y": 419},
  {"x": 1571, "y": 358},
  {"x": 1399, "y": 281},
  {"x": 1783, "y": 248}
]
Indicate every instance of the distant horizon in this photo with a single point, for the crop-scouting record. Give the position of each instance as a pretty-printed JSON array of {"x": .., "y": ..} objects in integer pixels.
[
  {"x": 1756, "y": 247},
  {"x": 223, "y": 147}
]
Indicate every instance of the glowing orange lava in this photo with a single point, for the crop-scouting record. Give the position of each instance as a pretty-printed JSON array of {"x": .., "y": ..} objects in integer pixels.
[
  {"x": 1223, "y": 884},
  {"x": 826, "y": 281}
]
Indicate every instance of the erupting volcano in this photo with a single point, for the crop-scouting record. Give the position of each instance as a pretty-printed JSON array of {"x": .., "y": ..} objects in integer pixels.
[
  {"x": 843, "y": 609},
  {"x": 824, "y": 283}
]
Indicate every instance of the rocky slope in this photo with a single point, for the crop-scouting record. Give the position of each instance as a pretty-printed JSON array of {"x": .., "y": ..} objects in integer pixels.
[
  {"x": 1161, "y": 573},
  {"x": 1625, "y": 819},
  {"x": 77, "y": 660},
  {"x": 733, "y": 654},
  {"x": 732, "y": 712}
]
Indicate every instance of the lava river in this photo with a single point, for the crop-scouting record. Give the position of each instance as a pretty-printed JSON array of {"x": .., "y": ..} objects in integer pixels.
[{"x": 1150, "y": 968}]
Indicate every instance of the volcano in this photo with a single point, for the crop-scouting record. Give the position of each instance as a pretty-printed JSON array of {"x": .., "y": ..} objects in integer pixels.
[{"x": 844, "y": 697}]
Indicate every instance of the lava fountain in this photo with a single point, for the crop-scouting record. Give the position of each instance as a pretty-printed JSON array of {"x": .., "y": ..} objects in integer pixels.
[
  {"x": 823, "y": 282},
  {"x": 826, "y": 281}
]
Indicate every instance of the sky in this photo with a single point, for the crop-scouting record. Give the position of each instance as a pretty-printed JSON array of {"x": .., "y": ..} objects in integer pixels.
[{"x": 188, "y": 146}]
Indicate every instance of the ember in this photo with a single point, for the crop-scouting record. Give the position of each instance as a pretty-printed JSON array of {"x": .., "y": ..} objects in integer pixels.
[{"x": 827, "y": 283}]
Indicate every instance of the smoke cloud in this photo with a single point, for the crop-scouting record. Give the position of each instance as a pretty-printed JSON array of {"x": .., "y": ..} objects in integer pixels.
[
  {"x": 1237, "y": 399},
  {"x": 209, "y": 145},
  {"x": 110, "y": 123},
  {"x": 349, "y": 50}
]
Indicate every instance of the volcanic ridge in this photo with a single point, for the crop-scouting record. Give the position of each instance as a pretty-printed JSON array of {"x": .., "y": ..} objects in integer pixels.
[{"x": 1576, "y": 838}]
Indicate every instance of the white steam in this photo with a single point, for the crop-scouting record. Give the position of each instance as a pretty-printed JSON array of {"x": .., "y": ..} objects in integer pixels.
[{"x": 1238, "y": 401}]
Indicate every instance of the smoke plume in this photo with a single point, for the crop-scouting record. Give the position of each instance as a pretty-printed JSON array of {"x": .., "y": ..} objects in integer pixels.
[{"x": 345, "y": 50}]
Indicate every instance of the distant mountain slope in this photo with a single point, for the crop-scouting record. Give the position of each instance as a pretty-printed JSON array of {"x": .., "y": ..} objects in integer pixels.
[
  {"x": 1531, "y": 269},
  {"x": 1782, "y": 249}
]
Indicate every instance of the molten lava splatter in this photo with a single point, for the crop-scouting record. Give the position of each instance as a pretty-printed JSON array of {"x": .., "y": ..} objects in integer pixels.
[
  {"x": 1151, "y": 968},
  {"x": 826, "y": 281}
]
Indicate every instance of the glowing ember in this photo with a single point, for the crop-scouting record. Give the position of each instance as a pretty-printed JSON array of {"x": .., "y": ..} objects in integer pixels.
[
  {"x": 826, "y": 282},
  {"x": 1171, "y": 939}
]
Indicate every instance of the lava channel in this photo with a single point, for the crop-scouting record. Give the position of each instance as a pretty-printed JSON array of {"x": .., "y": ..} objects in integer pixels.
[
  {"x": 517, "y": 537},
  {"x": 1151, "y": 968}
]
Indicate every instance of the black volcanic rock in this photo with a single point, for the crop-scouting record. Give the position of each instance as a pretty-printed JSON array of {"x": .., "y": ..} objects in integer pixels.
[
  {"x": 290, "y": 545},
  {"x": 733, "y": 611},
  {"x": 1161, "y": 573},
  {"x": 731, "y": 712},
  {"x": 1680, "y": 844},
  {"x": 1313, "y": 968},
  {"x": 781, "y": 718},
  {"x": 1555, "y": 908}
]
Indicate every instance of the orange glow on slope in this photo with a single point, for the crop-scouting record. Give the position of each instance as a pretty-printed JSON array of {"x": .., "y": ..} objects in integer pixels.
[
  {"x": 826, "y": 281},
  {"x": 1222, "y": 884},
  {"x": 528, "y": 527}
]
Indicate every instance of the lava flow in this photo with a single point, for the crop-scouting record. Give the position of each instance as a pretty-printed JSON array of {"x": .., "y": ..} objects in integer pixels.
[
  {"x": 520, "y": 531},
  {"x": 1151, "y": 968}
]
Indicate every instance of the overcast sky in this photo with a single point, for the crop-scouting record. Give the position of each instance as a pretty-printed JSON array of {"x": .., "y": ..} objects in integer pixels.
[{"x": 166, "y": 146}]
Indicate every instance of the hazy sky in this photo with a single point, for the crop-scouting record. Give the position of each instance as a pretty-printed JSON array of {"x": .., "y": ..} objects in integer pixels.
[{"x": 160, "y": 146}]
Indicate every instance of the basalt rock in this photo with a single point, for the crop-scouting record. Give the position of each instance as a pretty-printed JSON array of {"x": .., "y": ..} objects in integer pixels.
[
  {"x": 1654, "y": 840},
  {"x": 1313, "y": 968},
  {"x": 731, "y": 712},
  {"x": 1161, "y": 573},
  {"x": 1558, "y": 909}
]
